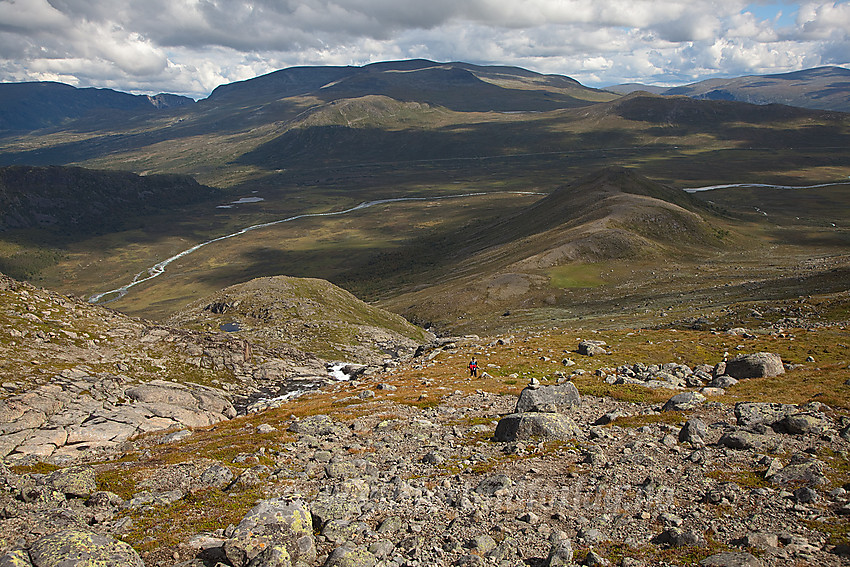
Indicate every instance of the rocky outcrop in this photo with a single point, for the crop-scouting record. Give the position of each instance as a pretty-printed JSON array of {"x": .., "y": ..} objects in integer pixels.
[{"x": 79, "y": 413}]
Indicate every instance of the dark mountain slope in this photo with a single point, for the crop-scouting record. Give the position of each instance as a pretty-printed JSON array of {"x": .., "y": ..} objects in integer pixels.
[
  {"x": 458, "y": 86},
  {"x": 613, "y": 217},
  {"x": 645, "y": 216},
  {"x": 84, "y": 201},
  {"x": 449, "y": 86},
  {"x": 613, "y": 213},
  {"x": 30, "y": 106}
]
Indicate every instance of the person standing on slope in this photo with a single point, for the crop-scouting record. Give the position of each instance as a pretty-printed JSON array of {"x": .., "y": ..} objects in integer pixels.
[{"x": 473, "y": 367}]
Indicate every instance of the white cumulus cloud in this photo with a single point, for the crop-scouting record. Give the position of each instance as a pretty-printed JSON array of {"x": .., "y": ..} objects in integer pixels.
[{"x": 191, "y": 46}]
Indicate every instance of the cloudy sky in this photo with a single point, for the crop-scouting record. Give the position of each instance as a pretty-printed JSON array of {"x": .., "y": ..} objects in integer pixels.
[{"x": 191, "y": 46}]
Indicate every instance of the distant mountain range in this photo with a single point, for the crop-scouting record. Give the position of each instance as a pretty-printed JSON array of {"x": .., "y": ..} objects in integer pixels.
[
  {"x": 457, "y": 86},
  {"x": 823, "y": 88},
  {"x": 31, "y": 106}
]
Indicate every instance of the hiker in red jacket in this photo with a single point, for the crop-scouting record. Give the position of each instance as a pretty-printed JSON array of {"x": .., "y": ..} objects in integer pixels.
[{"x": 473, "y": 367}]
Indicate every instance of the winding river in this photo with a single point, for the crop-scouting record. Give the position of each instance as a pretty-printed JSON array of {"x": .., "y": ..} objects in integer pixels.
[{"x": 159, "y": 268}]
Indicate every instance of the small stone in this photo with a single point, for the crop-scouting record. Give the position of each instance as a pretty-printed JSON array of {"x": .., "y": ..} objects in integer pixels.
[
  {"x": 805, "y": 495},
  {"x": 482, "y": 544},
  {"x": 731, "y": 559},
  {"x": 561, "y": 554},
  {"x": 348, "y": 555}
]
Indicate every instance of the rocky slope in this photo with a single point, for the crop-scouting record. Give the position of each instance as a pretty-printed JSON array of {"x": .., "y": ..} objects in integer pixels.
[
  {"x": 634, "y": 447},
  {"x": 81, "y": 379}
]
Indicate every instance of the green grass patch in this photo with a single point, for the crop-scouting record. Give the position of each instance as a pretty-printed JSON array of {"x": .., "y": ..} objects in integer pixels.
[
  {"x": 745, "y": 478},
  {"x": 37, "y": 468},
  {"x": 120, "y": 481},
  {"x": 575, "y": 276}
]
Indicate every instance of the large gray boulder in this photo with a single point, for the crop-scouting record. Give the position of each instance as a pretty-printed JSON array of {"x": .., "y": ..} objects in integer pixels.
[
  {"x": 800, "y": 472},
  {"x": 758, "y": 365},
  {"x": 81, "y": 548},
  {"x": 592, "y": 348},
  {"x": 536, "y": 425},
  {"x": 274, "y": 532},
  {"x": 753, "y": 414},
  {"x": 552, "y": 399},
  {"x": 684, "y": 401}
]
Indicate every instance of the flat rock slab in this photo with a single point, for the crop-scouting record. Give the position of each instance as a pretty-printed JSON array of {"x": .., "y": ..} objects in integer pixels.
[
  {"x": 57, "y": 424},
  {"x": 552, "y": 399},
  {"x": 536, "y": 425}
]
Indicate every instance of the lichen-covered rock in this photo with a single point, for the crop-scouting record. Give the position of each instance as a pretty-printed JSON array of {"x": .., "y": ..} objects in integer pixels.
[
  {"x": 351, "y": 556},
  {"x": 74, "y": 482},
  {"x": 758, "y": 365},
  {"x": 531, "y": 425},
  {"x": 801, "y": 424},
  {"x": 753, "y": 414},
  {"x": 217, "y": 476},
  {"x": 279, "y": 532},
  {"x": 329, "y": 506},
  {"x": 16, "y": 558},
  {"x": 80, "y": 548},
  {"x": 553, "y": 399}
]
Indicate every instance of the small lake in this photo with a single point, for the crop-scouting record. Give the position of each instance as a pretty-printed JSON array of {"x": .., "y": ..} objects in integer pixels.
[{"x": 230, "y": 327}]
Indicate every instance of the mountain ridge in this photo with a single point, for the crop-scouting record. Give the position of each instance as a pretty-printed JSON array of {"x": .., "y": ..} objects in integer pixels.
[
  {"x": 36, "y": 105},
  {"x": 821, "y": 88}
]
